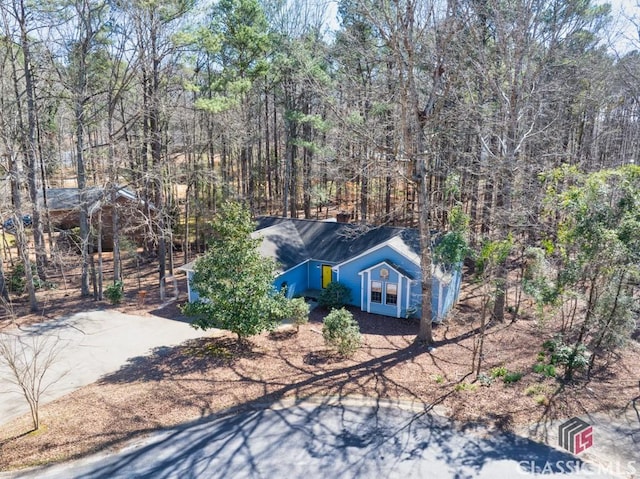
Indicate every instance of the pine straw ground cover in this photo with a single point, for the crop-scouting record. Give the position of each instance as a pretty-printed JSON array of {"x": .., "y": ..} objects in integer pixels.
[{"x": 202, "y": 377}]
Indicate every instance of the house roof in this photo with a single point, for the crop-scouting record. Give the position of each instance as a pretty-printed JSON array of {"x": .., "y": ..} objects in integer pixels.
[
  {"x": 60, "y": 199},
  {"x": 283, "y": 243},
  {"x": 291, "y": 241},
  {"x": 66, "y": 199}
]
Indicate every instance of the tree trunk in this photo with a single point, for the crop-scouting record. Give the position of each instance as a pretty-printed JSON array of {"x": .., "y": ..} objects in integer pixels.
[
  {"x": 100, "y": 259},
  {"x": 4, "y": 292},
  {"x": 425, "y": 333},
  {"x": 22, "y": 243},
  {"x": 32, "y": 167}
]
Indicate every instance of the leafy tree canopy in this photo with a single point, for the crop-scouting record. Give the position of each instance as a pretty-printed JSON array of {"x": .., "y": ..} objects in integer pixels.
[
  {"x": 453, "y": 247},
  {"x": 234, "y": 281},
  {"x": 597, "y": 251}
]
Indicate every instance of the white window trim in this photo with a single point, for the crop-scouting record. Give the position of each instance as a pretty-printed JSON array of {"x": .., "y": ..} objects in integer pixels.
[{"x": 384, "y": 284}]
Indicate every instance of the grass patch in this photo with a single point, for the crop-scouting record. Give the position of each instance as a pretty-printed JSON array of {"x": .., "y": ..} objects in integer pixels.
[
  {"x": 498, "y": 372},
  {"x": 41, "y": 430},
  {"x": 465, "y": 386},
  {"x": 535, "y": 389},
  {"x": 541, "y": 400}
]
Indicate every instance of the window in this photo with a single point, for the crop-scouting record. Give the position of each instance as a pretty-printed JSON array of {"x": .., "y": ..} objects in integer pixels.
[
  {"x": 392, "y": 293},
  {"x": 376, "y": 291}
]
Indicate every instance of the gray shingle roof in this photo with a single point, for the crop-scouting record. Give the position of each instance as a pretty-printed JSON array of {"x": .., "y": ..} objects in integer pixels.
[
  {"x": 291, "y": 241},
  {"x": 282, "y": 243},
  {"x": 63, "y": 199},
  {"x": 59, "y": 199}
]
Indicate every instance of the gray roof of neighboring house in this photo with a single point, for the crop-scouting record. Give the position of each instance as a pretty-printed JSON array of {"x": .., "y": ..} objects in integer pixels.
[
  {"x": 62, "y": 199},
  {"x": 291, "y": 241}
]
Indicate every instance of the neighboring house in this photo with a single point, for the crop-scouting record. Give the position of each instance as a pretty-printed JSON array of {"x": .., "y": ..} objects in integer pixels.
[
  {"x": 381, "y": 265},
  {"x": 63, "y": 205}
]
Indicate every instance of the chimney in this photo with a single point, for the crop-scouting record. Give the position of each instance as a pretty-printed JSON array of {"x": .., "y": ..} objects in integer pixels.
[{"x": 343, "y": 217}]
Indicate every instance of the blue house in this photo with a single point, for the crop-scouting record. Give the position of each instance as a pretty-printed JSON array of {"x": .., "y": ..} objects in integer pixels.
[{"x": 381, "y": 265}]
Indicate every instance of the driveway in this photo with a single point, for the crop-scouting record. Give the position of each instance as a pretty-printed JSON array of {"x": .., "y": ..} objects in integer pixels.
[
  {"x": 90, "y": 345},
  {"x": 340, "y": 439}
]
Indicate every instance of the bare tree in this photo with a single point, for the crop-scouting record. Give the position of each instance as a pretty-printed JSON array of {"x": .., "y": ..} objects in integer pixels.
[{"x": 28, "y": 360}]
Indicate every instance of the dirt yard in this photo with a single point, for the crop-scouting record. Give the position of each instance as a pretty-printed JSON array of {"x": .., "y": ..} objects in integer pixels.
[{"x": 198, "y": 378}]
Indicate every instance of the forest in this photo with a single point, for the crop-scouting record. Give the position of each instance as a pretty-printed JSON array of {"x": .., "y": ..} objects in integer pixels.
[{"x": 522, "y": 117}]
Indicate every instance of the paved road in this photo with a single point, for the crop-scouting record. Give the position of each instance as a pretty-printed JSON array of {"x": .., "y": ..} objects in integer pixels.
[
  {"x": 90, "y": 344},
  {"x": 322, "y": 440}
]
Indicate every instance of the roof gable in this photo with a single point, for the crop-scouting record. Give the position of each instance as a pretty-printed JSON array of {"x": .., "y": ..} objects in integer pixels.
[{"x": 397, "y": 268}]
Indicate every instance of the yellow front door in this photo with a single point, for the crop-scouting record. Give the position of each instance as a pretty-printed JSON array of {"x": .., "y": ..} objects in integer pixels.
[{"x": 326, "y": 275}]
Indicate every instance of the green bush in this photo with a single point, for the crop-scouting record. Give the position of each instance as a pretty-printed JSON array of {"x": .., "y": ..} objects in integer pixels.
[
  {"x": 341, "y": 332},
  {"x": 510, "y": 378},
  {"x": 16, "y": 281},
  {"x": 299, "y": 311},
  {"x": 498, "y": 372},
  {"x": 114, "y": 292},
  {"x": 551, "y": 345},
  {"x": 334, "y": 296},
  {"x": 548, "y": 370},
  {"x": 572, "y": 358},
  {"x": 538, "y": 368}
]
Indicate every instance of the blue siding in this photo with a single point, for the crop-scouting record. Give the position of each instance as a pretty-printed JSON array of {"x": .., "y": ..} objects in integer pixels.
[
  {"x": 349, "y": 276},
  {"x": 315, "y": 273},
  {"x": 295, "y": 279},
  {"x": 384, "y": 306},
  {"x": 193, "y": 295},
  {"x": 443, "y": 297},
  {"x": 444, "y": 292}
]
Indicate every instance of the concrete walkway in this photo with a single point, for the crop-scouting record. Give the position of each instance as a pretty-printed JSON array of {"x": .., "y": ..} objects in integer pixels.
[{"x": 89, "y": 345}]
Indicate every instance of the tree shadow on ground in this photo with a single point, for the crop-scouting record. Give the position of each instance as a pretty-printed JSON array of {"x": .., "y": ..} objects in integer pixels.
[
  {"x": 195, "y": 355},
  {"x": 312, "y": 374},
  {"x": 171, "y": 310},
  {"x": 334, "y": 436},
  {"x": 327, "y": 438}
]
